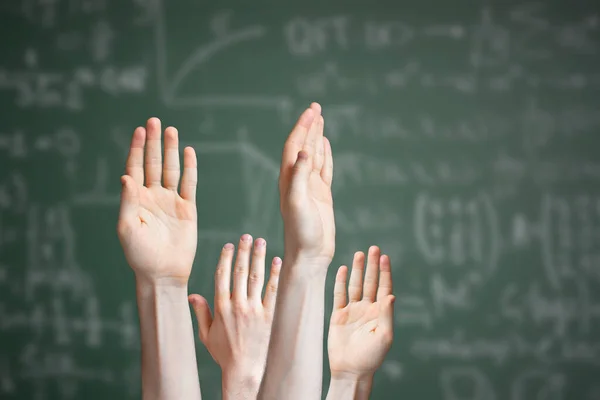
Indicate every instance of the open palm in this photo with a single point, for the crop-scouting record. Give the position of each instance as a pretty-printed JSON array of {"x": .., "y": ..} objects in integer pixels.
[
  {"x": 306, "y": 200},
  {"x": 157, "y": 225},
  {"x": 361, "y": 330}
]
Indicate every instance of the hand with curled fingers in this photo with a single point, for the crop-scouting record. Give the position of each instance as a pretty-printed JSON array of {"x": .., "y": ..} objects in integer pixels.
[
  {"x": 362, "y": 322},
  {"x": 305, "y": 191},
  {"x": 157, "y": 224},
  {"x": 237, "y": 337}
]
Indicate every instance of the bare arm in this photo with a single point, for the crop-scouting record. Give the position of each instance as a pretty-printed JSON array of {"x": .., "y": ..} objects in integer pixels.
[
  {"x": 362, "y": 325},
  {"x": 295, "y": 359},
  {"x": 349, "y": 387},
  {"x": 295, "y": 362},
  {"x": 238, "y": 335},
  {"x": 158, "y": 230},
  {"x": 169, "y": 368}
]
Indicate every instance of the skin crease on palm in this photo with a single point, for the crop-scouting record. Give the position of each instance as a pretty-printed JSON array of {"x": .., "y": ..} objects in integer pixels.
[
  {"x": 157, "y": 228},
  {"x": 362, "y": 320},
  {"x": 158, "y": 225}
]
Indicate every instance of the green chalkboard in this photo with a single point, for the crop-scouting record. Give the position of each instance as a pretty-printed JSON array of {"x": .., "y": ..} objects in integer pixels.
[{"x": 465, "y": 141}]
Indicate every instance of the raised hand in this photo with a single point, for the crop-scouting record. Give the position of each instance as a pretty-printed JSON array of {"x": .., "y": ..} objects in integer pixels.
[
  {"x": 157, "y": 225},
  {"x": 361, "y": 329},
  {"x": 295, "y": 361},
  {"x": 157, "y": 229},
  {"x": 305, "y": 190},
  {"x": 238, "y": 335}
]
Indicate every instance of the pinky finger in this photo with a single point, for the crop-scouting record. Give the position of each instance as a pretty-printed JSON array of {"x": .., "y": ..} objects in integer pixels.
[
  {"x": 189, "y": 180},
  {"x": 339, "y": 289},
  {"x": 272, "y": 285}
]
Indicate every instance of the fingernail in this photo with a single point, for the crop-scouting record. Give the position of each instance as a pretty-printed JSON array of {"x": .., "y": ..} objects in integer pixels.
[
  {"x": 302, "y": 155},
  {"x": 246, "y": 238},
  {"x": 277, "y": 261},
  {"x": 260, "y": 242},
  {"x": 228, "y": 246}
]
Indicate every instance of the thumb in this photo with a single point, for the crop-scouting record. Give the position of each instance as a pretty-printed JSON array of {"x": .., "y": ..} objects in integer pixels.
[
  {"x": 203, "y": 315},
  {"x": 386, "y": 314},
  {"x": 129, "y": 197},
  {"x": 300, "y": 174}
]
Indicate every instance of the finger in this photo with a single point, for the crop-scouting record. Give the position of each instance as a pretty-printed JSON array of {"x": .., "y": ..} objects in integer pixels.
[
  {"x": 327, "y": 170},
  {"x": 315, "y": 133},
  {"x": 371, "y": 275},
  {"x": 153, "y": 158},
  {"x": 271, "y": 290},
  {"x": 240, "y": 271},
  {"x": 223, "y": 275},
  {"x": 339, "y": 289},
  {"x": 128, "y": 208},
  {"x": 129, "y": 198},
  {"x": 319, "y": 158},
  {"x": 386, "y": 316},
  {"x": 295, "y": 142},
  {"x": 203, "y": 315},
  {"x": 134, "y": 166},
  {"x": 385, "y": 278},
  {"x": 256, "y": 279},
  {"x": 355, "y": 285},
  {"x": 189, "y": 180},
  {"x": 300, "y": 176},
  {"x": 171, "y": 168}
]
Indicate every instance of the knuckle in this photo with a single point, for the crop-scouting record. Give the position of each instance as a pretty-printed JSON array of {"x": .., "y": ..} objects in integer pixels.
[
  {"x": 220, "y": 270},
  {"x": 222, "y": 303},
  {"x": 239, "y": 305},
  {"x": 310, "y": 144},
  {"x": 254, "y": 277},
  {"x": 272, "y": 287},
  {"x": 240, "y": 270}
]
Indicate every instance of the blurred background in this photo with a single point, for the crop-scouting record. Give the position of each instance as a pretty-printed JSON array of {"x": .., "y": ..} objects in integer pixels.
[{"x": 465, "y": 142}]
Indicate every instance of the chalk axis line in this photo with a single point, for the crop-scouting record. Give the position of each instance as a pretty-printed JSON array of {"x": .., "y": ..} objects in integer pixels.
[
  {"x": 169, "y": 85},
  {"x": 258, "y": 172}
]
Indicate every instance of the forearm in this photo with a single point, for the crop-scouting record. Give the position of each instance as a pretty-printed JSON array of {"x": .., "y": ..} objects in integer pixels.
[
  {"x": 295, "y": 359},
  {"x": 349, "y": 388},
  {"x": 169, "y": 369}
]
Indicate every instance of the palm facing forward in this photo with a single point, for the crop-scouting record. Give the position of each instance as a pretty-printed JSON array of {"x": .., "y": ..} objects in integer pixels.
[
  {"x": 361, "y": 331},
  {"x": 157, "y": 226}
]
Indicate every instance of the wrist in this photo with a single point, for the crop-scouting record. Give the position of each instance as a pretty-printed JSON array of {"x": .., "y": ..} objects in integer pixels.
[
  {"x": 172, "y": 290},
  {"x": 143, "y": 281},
  {"x": 363, "y": 377},
  {"x": 301, "y": 265},
  {"x": 355, "y": 386},
  {"x": 240, "y": 382}
]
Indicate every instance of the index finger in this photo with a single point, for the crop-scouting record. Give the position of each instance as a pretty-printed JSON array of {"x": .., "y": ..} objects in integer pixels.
[{"x": 134, "y": 166}]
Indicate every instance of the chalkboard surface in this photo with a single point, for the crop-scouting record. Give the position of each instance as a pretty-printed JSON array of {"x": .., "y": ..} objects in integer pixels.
[{"x": 465, "y": 140}]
